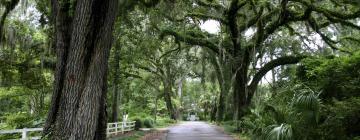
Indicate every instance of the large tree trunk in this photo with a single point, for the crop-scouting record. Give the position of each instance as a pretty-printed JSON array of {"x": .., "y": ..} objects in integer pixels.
[
  {"x": 240, "y": 86},
  {"x": 167, "y": 82},
  {"x": 221, "y": 106},
  {"x": 167, "y": 98},
  {"x": 241, "y": 92},
  {"x": 221, "y": 80},
  {"x": 116, "y": 93},
  {"x": 83, "y": 41},
  {"x": 213, "y": 112}
]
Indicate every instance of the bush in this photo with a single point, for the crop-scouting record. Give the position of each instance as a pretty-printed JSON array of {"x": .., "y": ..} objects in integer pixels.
[
  {"x": 164, "y": 122},
  {"x": 148, "y": 123},
  {"x": 138, "y": 123},
  {"x": 167, "y": 120},
  {"x": 19, "y": 120}
]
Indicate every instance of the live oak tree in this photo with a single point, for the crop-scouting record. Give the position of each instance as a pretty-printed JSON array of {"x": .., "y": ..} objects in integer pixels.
[
  {"x": 166, "y": 65},
  {"x": 83, "y": 37},
  {"x": 263, "y": 18}
]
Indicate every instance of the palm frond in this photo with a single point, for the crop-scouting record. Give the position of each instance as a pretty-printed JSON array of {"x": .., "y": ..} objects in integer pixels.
[
  {"x": 276, "y": 132},
  {"x": 308, "y": 106}
]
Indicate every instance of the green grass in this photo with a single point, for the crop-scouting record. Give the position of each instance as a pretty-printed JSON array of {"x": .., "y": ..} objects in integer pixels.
[
  {"x": 164, "y": 122},
  {"x": 231, "y": 129},
  {"x": 135, "y": 136}
]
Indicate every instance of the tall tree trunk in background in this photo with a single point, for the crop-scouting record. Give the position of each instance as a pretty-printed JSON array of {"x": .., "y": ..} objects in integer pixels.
[
  {"x": 205, "y": 111},
  {"x": 155, "y": 109},
  {"x": 273, "y": 74},
  {"x": 221, "y": 81},
  {"x": 213, "y": 111},
  {"x": 180, "y": 87},
  {"x": 167, "y": 92},
  {"x": 83, "y": 37},
  {"x": 236, "y": 92},
  {"x": 221, "y": 105},
  {"x": 167, "y": 98},
  {"x": 116, "y": 93},
  {"x": 240, "y": 86}
]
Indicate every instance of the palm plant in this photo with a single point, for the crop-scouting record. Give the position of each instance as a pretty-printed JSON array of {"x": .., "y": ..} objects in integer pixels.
[{"x": 292, "y": 120}]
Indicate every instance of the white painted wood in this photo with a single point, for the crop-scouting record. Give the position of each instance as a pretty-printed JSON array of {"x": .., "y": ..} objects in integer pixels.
[
  {"x": 120, "y": 127},
  {"x": 112, "y": 129},
  {"x": 23, "y": 132}
]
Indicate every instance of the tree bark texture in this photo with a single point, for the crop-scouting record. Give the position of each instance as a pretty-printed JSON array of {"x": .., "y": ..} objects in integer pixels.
[
  {"x": 83, "y": 37},
  {"x": 213, "y": 112},
  {"x": 115, "y": 105},
  {"x": 167, "y": 92},
  {"x": 167, "y": 98}
]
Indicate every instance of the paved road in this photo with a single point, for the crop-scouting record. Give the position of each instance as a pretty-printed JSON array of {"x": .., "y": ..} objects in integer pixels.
[{"x": 196, "y": 131}]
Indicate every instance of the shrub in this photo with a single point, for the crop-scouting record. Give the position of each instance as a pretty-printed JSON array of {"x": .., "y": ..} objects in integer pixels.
[
  {"x": 19, "y": 120},
  {"x": 148, "y": 123},
  {"x": 138, "y": 123}
]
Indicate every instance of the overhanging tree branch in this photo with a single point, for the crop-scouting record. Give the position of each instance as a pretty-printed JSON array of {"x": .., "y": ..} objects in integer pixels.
[
  {"x": 209, "y": 4},
  {"x": 191, "y": 40},
  {"x": 207, "y": 17},
  {"x": 269, "y": 66},
  {"x": 327, "y": 40},
  {"x": 232, "y": 21}
]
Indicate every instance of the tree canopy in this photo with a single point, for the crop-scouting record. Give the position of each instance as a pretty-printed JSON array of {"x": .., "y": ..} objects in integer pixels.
[{"x": 265, "y": 69}]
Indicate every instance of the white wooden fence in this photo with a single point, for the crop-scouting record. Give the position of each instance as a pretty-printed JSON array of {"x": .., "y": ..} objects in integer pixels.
[
  {"x": 24, "y": 132},
  {"x": 112, "y": 129},
  {"x": 119, "y": 127}
]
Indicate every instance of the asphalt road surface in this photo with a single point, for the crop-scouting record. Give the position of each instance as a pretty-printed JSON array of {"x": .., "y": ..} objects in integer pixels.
[{"x": 196, "y": 131}]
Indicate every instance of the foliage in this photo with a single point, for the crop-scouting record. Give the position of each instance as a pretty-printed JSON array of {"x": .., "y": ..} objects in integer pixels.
[
  {"x": 337, "y": 77},
  {"x": 135, "y": 136},
  {"x": 148, "y": 123},
  {"x": 165, "y": 49},
  {"x": 296, "y": 111},
  {"x": 138, "y": 123},
  {"x": 20, "y": 120},
  {"x": 164, "y": 122}
]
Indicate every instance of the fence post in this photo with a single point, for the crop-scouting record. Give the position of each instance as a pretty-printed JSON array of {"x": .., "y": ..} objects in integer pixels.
[
  {"x": 122, "y": 127},
  {"x": 116, "y": 128},
  {"x": 24, "y": 133}
]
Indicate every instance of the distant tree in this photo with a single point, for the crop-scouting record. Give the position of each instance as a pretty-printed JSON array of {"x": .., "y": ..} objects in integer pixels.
[{"x": 264, "y": 19}]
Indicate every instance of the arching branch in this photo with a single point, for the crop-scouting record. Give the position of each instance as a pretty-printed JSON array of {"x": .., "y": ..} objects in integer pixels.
[
  {"x": 191, "y": 40},
  {"x": 209, "y": 4},
  {"x": 285, "y": 60},
  {"x": 235, "y": 5},
  {"x": 207, "y": 17},
  {"x": 327, "y": 40}
]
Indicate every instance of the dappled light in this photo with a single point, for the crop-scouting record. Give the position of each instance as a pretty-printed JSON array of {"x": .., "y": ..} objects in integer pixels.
[{"x": 180, "y": 69}]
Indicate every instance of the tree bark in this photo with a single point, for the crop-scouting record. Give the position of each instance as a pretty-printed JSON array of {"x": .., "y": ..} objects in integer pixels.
[
  {"x": 9, "y": 6},
  {"x": 167, "y": 82},
  {"x": 213, "y": 112},
  {"x": 240, "y": 93},
  {"x": 116, "y": 84},
  {"x": 83, "y": 42},
  {"x": 221, "y": 80},
  {"x": 167, "y": 98}
]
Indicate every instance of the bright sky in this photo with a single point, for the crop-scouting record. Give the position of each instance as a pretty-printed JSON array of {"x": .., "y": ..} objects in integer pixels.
[{"x": 211, "y": 26}]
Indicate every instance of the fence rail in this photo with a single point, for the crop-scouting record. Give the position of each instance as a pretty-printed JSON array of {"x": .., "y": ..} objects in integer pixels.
[
  {"x": 119, "y": 127},
  {"x": 112, "y": 129},
  {"x": 24, "y": 133}
]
